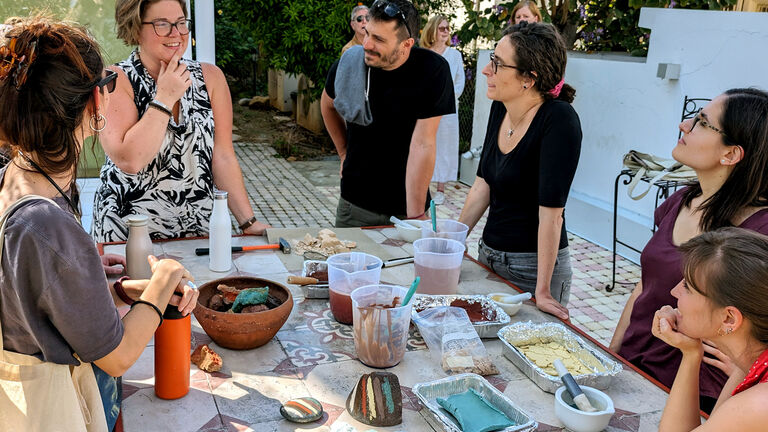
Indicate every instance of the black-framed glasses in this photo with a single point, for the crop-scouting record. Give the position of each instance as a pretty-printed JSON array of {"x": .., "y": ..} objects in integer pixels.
[
  {"x": 698, "y": 119},
  {"x": 109, "y": 81},
  {"x": 495, "y": 64},
  {"x": 360, "y": 18},
  {"x": 164, "y": 28},
  {"x": 392, "y": 11}
]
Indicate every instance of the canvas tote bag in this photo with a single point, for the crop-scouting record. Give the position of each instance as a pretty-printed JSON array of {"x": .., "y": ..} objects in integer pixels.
[
  {"x": 42, "y": 396},
  {"x": 644, "y": 165}
]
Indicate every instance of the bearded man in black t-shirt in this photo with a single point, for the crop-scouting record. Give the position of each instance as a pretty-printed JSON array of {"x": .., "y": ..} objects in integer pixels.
[{"x": 387, "y": 162}]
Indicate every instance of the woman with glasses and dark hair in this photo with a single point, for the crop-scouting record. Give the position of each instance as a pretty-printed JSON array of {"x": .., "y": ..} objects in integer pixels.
[
  {"x": 62, "y": 337},
  {"x": 437, "y": 37},
  {"x": 726, "y": 143},
  {"x": 529, "y": 158},
  {"x": 359, "y": 19},
  {"x": 723, "y": 298},
  {"x": 170, "y": 136}
]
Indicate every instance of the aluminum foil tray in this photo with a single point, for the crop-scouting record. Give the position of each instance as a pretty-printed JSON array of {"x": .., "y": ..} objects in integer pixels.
[
  {"x": 485, "y": 329},
  {"x": 429, "y": 392},
  {"x": 318, "y": 291},
  {"x": 548, "y": 332}
]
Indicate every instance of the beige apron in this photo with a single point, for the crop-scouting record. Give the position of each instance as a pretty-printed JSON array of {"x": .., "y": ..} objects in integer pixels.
[{"x": 43, "y": 396}]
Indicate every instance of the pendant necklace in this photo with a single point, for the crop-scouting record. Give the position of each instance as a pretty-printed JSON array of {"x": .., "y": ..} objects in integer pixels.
[
  {"x": 511, "y": 130},
  {"x": 73, "y": 205}
]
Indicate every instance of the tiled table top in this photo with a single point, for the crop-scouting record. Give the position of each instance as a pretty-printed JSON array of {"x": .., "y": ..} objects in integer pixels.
[{"x": 313, "y": 355}]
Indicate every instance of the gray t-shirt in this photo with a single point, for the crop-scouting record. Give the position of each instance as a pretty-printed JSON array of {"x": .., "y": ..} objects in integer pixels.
[{"x": 54, "y": 299}]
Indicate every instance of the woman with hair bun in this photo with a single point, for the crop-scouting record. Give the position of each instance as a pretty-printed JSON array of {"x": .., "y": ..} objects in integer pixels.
[
  {"x": 61, "y": 331},
  {"x": 529, "y": 158}
]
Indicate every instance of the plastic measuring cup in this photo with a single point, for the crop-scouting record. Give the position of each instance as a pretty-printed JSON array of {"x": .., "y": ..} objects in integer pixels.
[
  {"x": 347, "y": 271},
  {"x": 446, "y": 228},
  {"x": 381, "y": 331},
  {"x": 438, "y": 262}
]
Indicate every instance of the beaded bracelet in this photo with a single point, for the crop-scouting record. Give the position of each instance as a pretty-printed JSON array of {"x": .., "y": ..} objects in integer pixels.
[{"x": 157, "y": 309}]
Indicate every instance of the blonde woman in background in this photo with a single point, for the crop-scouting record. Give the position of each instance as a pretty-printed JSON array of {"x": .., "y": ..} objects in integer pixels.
[
  {"x": 526, "y": 10},
  {"x": 437, "y": 37}
]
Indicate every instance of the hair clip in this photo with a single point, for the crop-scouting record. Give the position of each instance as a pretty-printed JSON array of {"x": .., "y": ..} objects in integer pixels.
[{"x": 12, "y": 63}]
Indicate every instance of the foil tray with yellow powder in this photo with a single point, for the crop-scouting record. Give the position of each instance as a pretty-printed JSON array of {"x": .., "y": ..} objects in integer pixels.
[{"x": 534, "y": 347}]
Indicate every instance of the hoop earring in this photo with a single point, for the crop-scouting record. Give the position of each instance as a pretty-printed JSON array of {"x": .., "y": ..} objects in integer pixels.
[{"x": 95, "y": 121}]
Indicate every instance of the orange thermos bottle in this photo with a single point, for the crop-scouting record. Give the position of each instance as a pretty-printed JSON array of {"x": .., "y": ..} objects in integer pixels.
[{"x": 173, "y": 345}]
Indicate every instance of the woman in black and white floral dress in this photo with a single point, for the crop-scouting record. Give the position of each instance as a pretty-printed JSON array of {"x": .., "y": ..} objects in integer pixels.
[{"x": 164, "y": 153}]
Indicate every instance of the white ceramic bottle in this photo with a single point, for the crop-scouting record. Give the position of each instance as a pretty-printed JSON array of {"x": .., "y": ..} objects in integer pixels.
[
  {"x": 220, "y": 234},
  {"x": 138, "y": 247}
]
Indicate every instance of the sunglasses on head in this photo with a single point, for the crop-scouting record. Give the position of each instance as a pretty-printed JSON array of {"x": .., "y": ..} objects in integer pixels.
[
  {"x": 108, "y": 81},
  {"x": 392, "y": 11},
  {"x": 360, "y": 18}
]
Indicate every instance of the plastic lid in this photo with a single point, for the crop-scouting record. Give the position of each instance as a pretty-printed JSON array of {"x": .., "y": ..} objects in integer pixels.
[
  {"x": 219, "y": 194},
  {"x": 137, "y": 220},
  {"x": 172, "y": 313}
]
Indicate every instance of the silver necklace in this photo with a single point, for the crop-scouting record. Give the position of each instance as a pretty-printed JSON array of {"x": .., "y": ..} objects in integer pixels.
[{"x": 511, "y": 130}]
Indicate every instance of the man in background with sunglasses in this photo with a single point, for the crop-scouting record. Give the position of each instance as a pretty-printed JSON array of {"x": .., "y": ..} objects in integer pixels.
[
  {"x": 359, "y": 20},
  {"x": 387, "y": 159}
]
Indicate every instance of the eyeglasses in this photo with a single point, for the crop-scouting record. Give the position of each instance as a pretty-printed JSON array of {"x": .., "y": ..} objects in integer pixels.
[
  {"x": 109, "y": 81},
  {"x": 392, "y": 11},
  {"x": 164, "y": 28},
  {"x": 699, "y": 119},
  {"x": 443, "y": 28},
  {"x": 20, "y": 62},
  {"x": 360, "y": 18},
  {"x": 495, "y": 64}
]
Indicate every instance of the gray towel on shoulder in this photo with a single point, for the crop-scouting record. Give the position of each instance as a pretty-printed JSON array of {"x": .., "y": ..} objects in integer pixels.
[{"x": 351, "y": 100}]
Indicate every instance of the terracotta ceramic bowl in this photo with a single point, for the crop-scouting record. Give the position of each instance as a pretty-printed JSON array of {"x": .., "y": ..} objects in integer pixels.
[{"x": 243, "y": 330}]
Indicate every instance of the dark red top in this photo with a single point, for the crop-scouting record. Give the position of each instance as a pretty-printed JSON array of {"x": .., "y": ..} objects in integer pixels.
[
  {"x": 661, "y": 265},
  {"x": 758, "y": 373}
]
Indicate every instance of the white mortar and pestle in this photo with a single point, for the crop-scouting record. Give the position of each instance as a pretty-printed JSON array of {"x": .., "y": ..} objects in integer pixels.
[
  {"x": 594, "y": 408},
  {"x": 511, "y": 303}
]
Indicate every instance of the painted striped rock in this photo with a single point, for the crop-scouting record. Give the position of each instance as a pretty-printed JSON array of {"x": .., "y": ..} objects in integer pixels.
[
  {"x": 377, "y": 400},
  {"x": 302, "y": 410}
]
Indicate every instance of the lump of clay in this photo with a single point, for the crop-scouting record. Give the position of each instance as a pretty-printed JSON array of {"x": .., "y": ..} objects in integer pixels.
[
  {"x": 206, "y": 359},
  {"x": 377, "y": 400}
]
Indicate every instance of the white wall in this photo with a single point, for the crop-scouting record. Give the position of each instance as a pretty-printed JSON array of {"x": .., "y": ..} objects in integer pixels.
[{"x": 623, "y": 105}]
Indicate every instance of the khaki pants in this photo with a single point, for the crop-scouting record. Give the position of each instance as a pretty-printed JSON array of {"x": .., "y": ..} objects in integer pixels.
[{"x": 349, "y": 215}]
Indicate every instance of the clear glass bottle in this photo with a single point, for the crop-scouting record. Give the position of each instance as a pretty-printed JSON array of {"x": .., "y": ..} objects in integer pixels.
[
  {"x": 138, "y": 247},
  {"x": 220, "y": 234}
]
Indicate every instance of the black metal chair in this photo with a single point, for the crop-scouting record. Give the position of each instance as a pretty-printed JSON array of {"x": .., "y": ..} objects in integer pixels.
[{"x": 691, "y": 107}]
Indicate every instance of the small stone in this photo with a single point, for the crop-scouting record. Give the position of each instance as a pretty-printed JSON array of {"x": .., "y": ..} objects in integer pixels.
[
  {"x": 255, "y": 308},
  {"x": 377, "y": 400},
  {"x": 243, "y": 101},
  {"x": 282, "y": 119},
  {"x": 236, "y": 137},
  {"x": 302, "y": 410},
  {"x": 291, "y": 159}
]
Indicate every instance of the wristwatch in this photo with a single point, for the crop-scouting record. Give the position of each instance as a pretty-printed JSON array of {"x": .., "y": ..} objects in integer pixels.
[
  {"x": 161, "y": 107},
  {"x": 244, "y": 226}
]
